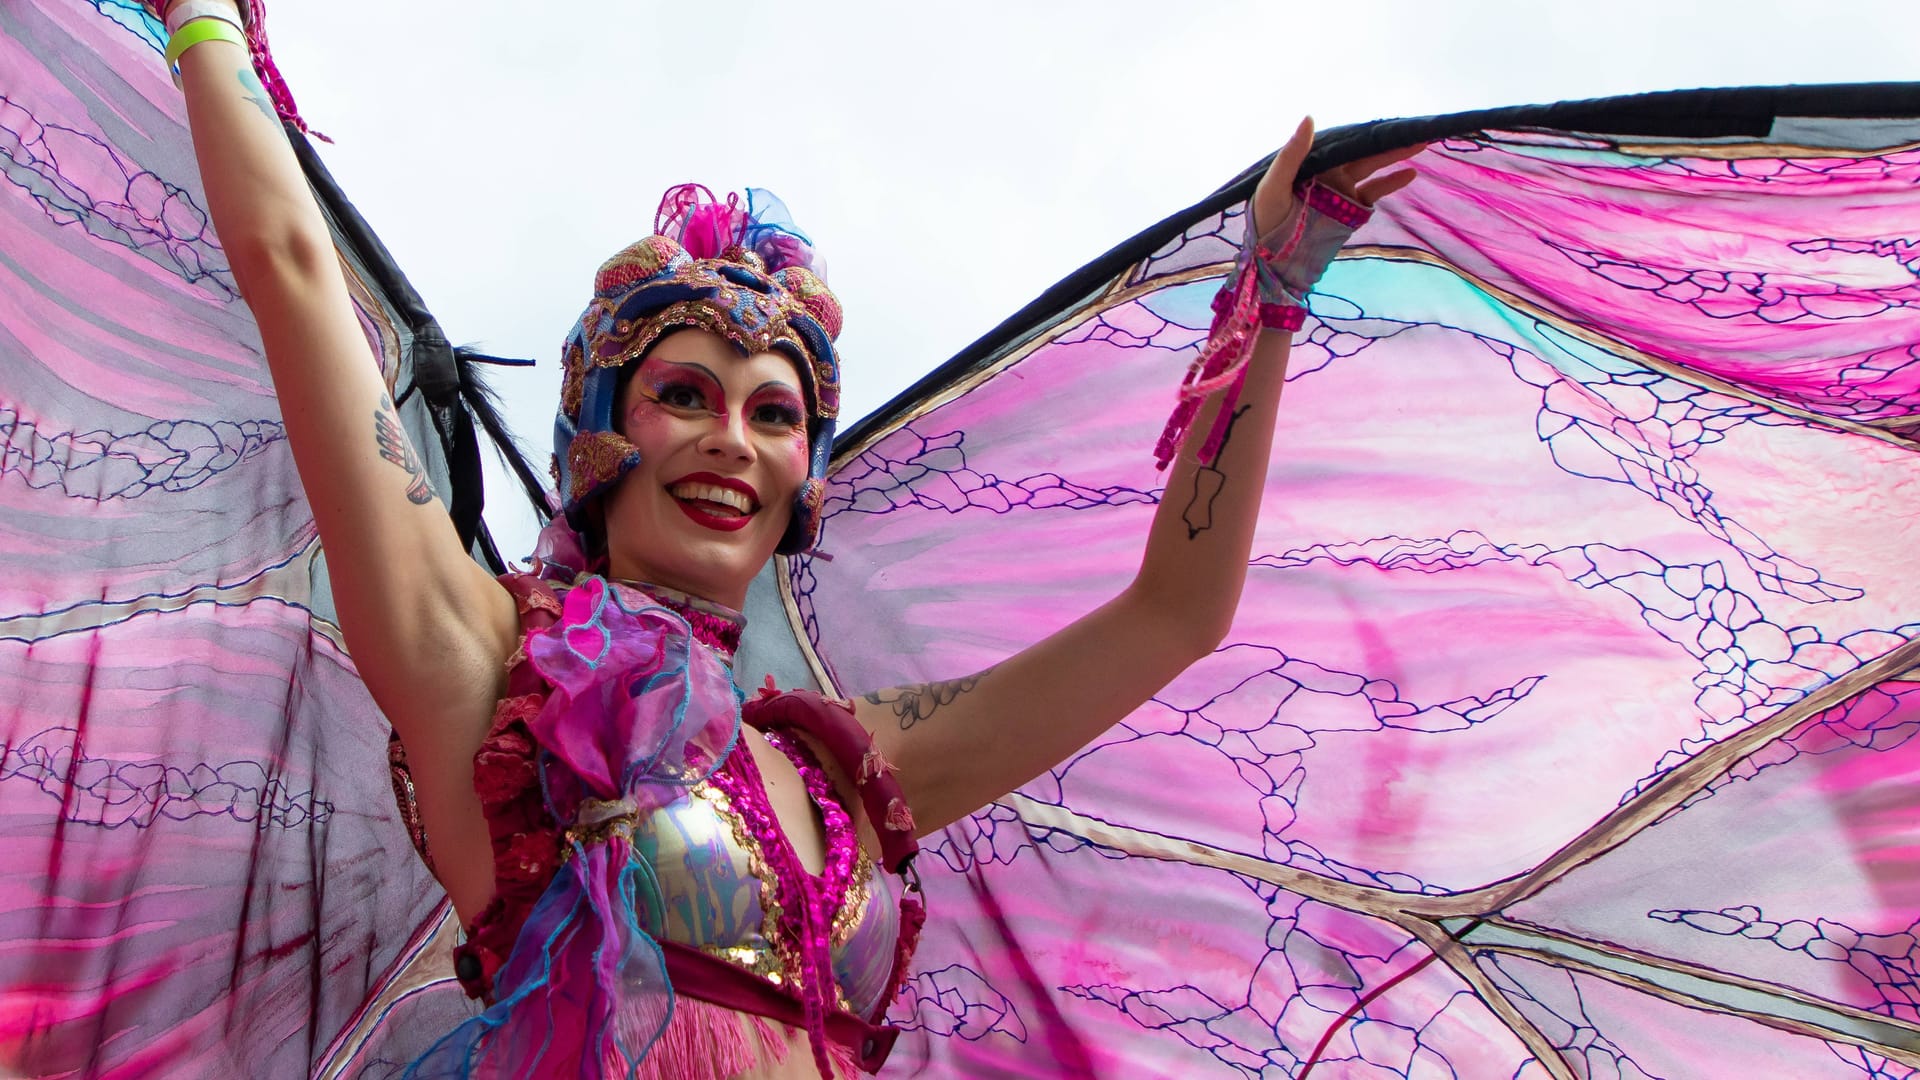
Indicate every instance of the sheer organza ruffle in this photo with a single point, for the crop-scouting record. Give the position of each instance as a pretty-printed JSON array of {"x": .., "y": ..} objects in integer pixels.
[
  {"x": 637, "y": 713},
  {"x": 708, "y": 226}
]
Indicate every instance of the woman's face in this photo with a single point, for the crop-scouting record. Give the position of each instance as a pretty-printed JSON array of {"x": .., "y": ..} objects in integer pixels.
[{"x": 723, "y": 451}]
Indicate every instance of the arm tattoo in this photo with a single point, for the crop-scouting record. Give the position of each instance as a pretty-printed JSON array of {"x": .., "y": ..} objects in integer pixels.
[
  {"x": 912, "y": 704},
  {"x": 257, "y": 94},
  {"x": 395, "y": 448},
  {"x": 1208, "y": 483}
]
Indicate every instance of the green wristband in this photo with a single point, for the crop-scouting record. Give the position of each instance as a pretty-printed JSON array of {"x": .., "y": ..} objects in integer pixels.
[{"x": 197, "y": 32}]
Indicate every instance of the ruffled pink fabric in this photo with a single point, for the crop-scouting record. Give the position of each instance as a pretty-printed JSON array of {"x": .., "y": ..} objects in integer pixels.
[
  {"x": 635, "y": 712},
  {"x": 708, "y": 227},
  {"x": 629, "y": 695}
]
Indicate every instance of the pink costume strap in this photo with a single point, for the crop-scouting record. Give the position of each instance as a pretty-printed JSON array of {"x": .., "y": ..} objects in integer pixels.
[
  {"x": 833, "y": 726},
  {"x": 831, "y": 723},
  {"x": 709, "y": 978},
  {"x": 807, "y": 901}
]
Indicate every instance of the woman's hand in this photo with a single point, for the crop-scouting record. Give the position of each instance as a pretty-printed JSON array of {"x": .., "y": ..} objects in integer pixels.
[
  {"x": 963, "y": 743},
  {"x": 408, "y": 597},
  {"x": 1273, "y": 200}
]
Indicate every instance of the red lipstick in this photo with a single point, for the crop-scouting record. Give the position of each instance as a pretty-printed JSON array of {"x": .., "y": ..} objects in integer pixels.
[
  {"x": 729, "y": 522},
  {"x": 729, "y": 483}
]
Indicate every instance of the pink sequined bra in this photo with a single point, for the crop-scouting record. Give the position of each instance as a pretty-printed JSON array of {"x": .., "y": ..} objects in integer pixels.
[{"x": 710, "y": 877}]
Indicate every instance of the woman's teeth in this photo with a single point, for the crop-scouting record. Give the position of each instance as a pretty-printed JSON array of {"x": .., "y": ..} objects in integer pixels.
[{"x": 712, "y": 493}]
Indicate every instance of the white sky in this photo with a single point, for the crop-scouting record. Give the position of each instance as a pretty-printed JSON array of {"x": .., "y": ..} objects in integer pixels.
[{"x": 951, "y": 161}]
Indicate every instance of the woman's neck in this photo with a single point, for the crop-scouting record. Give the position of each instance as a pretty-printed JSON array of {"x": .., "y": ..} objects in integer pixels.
[{"x": 713, "y": 624}]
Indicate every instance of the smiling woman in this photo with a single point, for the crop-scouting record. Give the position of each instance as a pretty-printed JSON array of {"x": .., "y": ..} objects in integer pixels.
[
  {"x": 723, "y": 443},
  {"x": 657, "y": 877},
  {"x": 1565, "y": 727},
  {"x": 698, "y": 381}
]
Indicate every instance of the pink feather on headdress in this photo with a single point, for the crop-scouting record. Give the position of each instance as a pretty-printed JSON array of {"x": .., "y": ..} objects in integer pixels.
[
  {"x": 704, "y": 226},
  {"x": 707, "y": 227}
]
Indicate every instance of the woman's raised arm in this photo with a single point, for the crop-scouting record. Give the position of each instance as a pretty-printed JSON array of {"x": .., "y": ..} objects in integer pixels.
[
  {"x": 962, "y": 743},
  {"x": 411, "y": 603}
]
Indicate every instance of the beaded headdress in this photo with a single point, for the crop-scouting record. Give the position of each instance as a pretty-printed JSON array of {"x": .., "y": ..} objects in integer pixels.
[{"x": 738, "y": 269}]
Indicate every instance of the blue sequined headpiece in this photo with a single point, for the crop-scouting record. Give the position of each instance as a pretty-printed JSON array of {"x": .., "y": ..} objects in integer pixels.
[{"x": 736, "y": 269}]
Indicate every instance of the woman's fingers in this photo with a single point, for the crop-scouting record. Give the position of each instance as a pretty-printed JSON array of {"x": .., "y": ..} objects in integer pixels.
[
  {"x": 1356, "y": 179},
  {"x": 1367, "y": 166},
  {"x": 1375, "y": 188},
  {"x": 1349, "y": 179},
  {"x": 1274, "y": 197}
]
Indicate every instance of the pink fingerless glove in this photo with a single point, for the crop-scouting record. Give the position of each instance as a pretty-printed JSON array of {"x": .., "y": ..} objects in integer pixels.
[
  {"x": 1269, "y": 285},
  {"x": 1289, "y": 259}
]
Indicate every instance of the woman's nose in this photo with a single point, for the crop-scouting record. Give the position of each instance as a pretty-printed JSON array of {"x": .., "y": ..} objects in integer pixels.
[{"x": 727, "y": 437}]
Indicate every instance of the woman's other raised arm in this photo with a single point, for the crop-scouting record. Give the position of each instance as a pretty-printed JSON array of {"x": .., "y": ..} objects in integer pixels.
[
  {"x": 419, "y": 616},
  {"x": 962, "y": 743}
]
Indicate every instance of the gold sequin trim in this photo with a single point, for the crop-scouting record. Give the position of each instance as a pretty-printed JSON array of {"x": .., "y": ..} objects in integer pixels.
[
  {"x": 573, "y": 382},
  {"x": 600, "y": 820},
  {"x": 853, "y": 906},
  {"x": 595, "y": 458},
  {"x": 775, "y": 962},
  {"x": 827, "y": 389},
  {"x": 629, "y": 342}
]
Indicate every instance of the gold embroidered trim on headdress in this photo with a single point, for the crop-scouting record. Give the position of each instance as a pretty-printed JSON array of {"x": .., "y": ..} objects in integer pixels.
[
  {"x": 594, "y": 458},
  {"x": 630, "y": 341}
]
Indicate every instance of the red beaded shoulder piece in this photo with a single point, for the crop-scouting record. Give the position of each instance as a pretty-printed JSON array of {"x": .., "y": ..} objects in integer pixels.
[{"x": 831, "y": 722}]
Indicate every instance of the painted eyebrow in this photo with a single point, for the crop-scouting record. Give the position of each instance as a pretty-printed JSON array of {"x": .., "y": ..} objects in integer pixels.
[
  {"x": 702, "y": 368},
  {"x": 779, "y": 384},
  {"x": 708, "y": 372}
]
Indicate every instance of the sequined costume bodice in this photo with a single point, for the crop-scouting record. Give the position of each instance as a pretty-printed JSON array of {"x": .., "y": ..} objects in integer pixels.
[
  {"x": 715, "y": 893},
  {"x": 620, "y": 799}
]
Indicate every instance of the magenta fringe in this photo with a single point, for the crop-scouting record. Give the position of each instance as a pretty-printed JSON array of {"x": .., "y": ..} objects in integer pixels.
[
  {"x": 268, "y": 71},
  {"x": 1222, "y": 362},
  {"x": 711, "y": 1042},
  {"x": 708, "y": 1042}
]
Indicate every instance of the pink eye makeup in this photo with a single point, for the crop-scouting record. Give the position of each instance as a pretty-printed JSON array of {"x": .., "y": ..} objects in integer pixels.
[
  {"x": 777, "y": 407},
  {"x": 680, "y": 394},
  {"x": 684, "y": 387}
]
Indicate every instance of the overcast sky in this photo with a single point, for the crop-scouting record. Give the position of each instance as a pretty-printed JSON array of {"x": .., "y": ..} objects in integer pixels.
[{"x": 950, "y": 160}]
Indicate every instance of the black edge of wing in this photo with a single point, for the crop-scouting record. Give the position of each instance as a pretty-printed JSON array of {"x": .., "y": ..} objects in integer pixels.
[
  {"x": 1700, "y": 114},
  {"x": 438, "y": 371}
]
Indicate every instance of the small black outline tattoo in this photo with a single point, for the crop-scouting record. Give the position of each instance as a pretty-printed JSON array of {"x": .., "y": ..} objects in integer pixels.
[
  {"x": 257, "y": 94},
  {"x": 912, "y": 704},
  {"x": 1208, "y": 483},
  {"x": 396, "y": 449}
]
